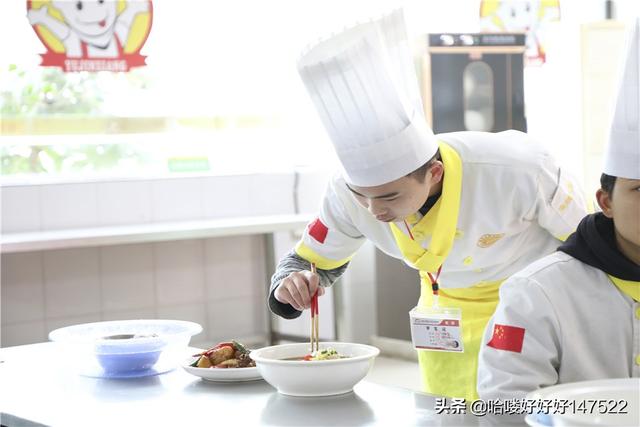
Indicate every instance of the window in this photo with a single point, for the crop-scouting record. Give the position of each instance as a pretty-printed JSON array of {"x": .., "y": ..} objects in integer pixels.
[{"x": 220, "y": 94}]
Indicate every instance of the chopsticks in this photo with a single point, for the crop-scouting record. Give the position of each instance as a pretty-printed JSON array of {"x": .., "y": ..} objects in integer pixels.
[{"x": 315, "y": 319}]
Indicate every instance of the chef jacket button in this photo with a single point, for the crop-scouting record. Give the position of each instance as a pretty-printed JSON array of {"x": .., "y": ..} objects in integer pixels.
[
  {"x": 638, "y": 359},
  {"x": 638, "y": 313}
]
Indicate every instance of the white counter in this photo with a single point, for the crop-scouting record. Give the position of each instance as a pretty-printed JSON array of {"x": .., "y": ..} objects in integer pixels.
[
  {"x": 35, "y": 390},
  {"x": 154, "y": 232}
]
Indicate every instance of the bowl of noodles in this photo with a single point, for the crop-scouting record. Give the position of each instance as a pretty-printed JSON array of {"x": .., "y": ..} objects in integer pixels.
[{"x": 334, "y": 369}]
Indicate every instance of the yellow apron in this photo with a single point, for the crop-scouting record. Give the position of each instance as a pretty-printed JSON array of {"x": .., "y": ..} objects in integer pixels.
[
  {"x": 445, "y": 373},
  {"x": 454, "y": 374}
]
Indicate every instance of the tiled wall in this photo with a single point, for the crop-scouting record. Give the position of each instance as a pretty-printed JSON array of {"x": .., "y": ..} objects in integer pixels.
[{"x": 220, "y": 283}]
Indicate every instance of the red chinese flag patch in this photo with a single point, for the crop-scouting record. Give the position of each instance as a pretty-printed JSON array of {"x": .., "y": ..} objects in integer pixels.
[
  {"x": 507, "y": 337},
  {"x": 318, "y": 230}
]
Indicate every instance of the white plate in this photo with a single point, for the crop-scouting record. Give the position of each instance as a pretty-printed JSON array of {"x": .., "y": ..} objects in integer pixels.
[
  {"x": 225, "y": 375},
  {"x": 627, "y": 389}
]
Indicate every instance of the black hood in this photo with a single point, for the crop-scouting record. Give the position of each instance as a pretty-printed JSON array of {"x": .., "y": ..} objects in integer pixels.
[{"x": 594, "y": 244}]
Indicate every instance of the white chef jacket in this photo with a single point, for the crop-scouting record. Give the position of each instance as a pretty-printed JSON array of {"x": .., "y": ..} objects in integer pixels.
[
  {"x": 516, "y": 203},
  {"x": 578, "y": 326}
]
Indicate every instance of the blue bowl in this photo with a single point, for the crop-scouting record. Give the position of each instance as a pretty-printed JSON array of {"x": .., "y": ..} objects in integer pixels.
[
  {"x": 126, "y": 348},
  {"x": 124, "y": 363},
  {"x": 128, "y": 353}
]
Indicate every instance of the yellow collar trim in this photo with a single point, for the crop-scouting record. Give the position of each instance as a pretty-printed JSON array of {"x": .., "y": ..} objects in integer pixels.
[
  {"x": 627, "y": 287},
  {"x": 440, "y": 221}
]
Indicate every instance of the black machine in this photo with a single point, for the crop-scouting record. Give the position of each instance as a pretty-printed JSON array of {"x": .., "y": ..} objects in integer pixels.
[{"x": 475, "y": 82}]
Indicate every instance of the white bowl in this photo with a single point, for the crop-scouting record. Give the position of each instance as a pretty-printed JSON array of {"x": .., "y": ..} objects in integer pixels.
[
  {"x": 314, "y": 378},
  {"x": 607, "y": 392},
  {"x": 125, "y": 348}
]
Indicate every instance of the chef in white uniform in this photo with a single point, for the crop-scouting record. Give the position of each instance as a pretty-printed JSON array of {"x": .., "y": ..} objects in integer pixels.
[
  {"x": 475, "y": 206},
  {"x": 574, "y": 315}
]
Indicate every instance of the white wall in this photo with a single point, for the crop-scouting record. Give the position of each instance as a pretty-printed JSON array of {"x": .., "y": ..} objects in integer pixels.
[
  {"x": 553, "y": 92},
  {"x": 220, "y": 283}
]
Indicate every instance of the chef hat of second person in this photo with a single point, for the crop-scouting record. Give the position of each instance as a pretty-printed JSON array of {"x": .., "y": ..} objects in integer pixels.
[
  {"x": 622, "y": 158},
  {"x": 362, "y": 82}
]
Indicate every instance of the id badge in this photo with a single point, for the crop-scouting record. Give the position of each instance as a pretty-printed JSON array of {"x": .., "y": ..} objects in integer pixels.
[{"x": 437, "y": 329}]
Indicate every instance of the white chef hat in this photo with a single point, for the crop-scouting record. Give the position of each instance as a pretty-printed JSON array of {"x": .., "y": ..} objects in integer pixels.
[
  {"x": 364, "y": 87},
  {"x": 622, "y": 158}
]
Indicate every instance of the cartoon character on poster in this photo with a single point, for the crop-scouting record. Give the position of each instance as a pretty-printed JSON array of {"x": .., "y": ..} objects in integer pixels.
[
  {"x": 91, "y": 35},
  {"x": 530, "y": 16}
]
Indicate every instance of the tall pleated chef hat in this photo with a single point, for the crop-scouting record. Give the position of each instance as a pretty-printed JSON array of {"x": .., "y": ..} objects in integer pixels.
[
  {"x": 363, "y": 84},
  {"x": 622, "y": 158}
]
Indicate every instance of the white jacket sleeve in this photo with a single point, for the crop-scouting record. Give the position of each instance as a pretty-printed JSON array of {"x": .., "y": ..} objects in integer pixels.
[
  {"x": 331, "y": 240},
  {"x": 560, "y": 200},
  {"x": 504, "y": 374}
]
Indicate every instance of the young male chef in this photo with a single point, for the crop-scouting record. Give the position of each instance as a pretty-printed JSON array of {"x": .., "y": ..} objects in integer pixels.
[
  {"x": 574, "y": 315},
  {"x": 475, "y": 207}
]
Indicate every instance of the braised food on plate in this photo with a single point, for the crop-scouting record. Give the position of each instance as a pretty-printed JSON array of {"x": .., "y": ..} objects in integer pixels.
[{"x": 224, "y": 355}]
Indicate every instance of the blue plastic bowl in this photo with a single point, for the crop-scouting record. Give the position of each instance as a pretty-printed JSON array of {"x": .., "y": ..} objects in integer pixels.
[
  {"x": 129, "y": 354},
  {"x": 127, "y": 347},
  {"x": 117, "y": 364}
]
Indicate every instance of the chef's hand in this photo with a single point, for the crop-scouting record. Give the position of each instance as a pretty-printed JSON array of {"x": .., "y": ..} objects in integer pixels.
[{"x": 298, "y": 288}]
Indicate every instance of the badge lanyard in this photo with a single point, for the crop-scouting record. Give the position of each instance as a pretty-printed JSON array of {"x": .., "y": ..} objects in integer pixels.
[
  {"x": 436, "y": 328},
  {"x": 435, "y": 286}
]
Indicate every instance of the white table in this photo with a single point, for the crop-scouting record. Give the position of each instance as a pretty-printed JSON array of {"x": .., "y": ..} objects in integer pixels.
[{"x": 35, "y": 390}]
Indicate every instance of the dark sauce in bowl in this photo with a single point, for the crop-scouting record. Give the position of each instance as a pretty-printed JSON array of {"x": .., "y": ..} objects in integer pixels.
[{"x": 128, "y": 336}]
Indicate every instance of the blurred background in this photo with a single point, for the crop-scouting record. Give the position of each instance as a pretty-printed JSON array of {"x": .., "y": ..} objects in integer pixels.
[{"x": 172, "y": 189}]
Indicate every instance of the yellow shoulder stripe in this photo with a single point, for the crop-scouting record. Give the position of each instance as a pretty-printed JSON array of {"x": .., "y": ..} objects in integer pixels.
[{"x": 321, "y": 262}]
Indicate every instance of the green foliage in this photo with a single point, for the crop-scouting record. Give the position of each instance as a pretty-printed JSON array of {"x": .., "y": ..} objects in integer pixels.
[
  {"x": 49, "y": 92},
  {"x": 64, "y": 158}
]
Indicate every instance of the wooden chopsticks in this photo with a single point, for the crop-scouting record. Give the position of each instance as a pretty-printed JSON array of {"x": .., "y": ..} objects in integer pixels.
[{"x": 315, "y": 319}]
